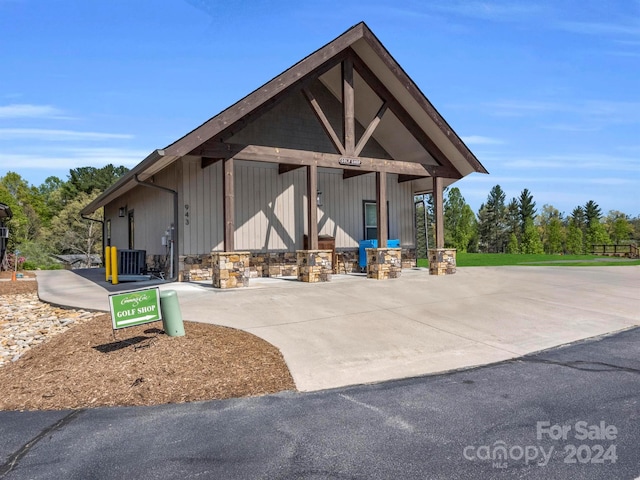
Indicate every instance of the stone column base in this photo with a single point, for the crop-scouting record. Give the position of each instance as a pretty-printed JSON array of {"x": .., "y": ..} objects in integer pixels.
[
  {"x": 442, "y": 261},
  {"x": 314, "y": 265},
  {"x": 230, "y": 269},
  {"x": 384, "y": 263}
]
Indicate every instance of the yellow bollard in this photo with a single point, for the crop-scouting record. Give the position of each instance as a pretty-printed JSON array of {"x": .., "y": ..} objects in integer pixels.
[
  {"x": 114, "y": 266},
  {"x": 107, "y": 262}
]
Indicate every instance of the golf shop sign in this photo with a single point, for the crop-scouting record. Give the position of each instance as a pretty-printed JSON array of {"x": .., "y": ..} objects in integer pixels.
[{"x": 135, "y": 308}]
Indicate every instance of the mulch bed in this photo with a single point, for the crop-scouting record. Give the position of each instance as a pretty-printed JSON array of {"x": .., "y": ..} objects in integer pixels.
[{"x": 86, "y": 367}]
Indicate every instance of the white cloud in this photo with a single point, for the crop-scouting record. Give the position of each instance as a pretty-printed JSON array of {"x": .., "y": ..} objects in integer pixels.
[
  {"x": 506, "y": 179},
  {"x": 485, "y": 10},
  {"x": 58, "y": 135},
  {"x": 25, "y": 110},
  {"x": 594, "y": 28},
  {"x": 72, "y": 158},
  {"x": 481, "y": 140}
]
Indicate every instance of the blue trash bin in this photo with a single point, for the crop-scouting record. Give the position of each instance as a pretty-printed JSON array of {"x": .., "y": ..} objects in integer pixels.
[{"x": 364, "y": 244}]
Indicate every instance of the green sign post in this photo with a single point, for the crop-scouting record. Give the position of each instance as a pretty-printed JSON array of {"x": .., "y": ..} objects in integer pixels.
[{"x": 136, "y": 307}]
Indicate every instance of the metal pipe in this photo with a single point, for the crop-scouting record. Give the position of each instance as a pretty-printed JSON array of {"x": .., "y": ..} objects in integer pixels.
[{"x": 176, "y": 251}]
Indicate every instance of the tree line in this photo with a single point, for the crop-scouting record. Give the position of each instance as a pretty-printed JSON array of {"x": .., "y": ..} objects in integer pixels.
[
  {"x": 518, "y": 227},
  {"x": 46, "y": 218}
]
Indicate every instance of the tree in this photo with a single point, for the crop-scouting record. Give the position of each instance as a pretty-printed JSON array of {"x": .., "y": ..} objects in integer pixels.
[
  {"x": 491, "y": 225},
  {"x": 71, "y": 234},
  {"x": 526, "y": 208},
  {"x": 551, "y": 229},
  {"x": 512, "y": 218},
  {"x": 459, "y": 221},
  {"x": 530, "y": 239},
  {"x": 618, "y": 226},
  {"x": 555, "y": 236},
  {"x": 592, "y": 212},
  {"x": 89, "y": 179},
  {"x": 575, "y": 240},
  {"x": 596, "y": 235},
  {"x": 578, "y": 217},
  {"x": 512, "y": 246}
]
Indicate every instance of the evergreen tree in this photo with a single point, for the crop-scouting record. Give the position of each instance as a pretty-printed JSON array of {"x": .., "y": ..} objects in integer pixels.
[
  {"x": 526, "y": 208},
  {"x": 491, "y": 226},
  {"x": 512, "y": 218},
  {"x": 591, "y": 212}
]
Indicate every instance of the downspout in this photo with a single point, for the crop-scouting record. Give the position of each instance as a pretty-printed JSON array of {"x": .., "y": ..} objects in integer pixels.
[
  {"x": 176, "y": 252},
  {"x": 84, "y": 217}
]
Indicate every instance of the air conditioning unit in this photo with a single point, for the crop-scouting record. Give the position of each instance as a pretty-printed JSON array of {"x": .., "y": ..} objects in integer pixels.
[
  {"x": 4, "y": 232},
  {"x": 132, "y": 262}
]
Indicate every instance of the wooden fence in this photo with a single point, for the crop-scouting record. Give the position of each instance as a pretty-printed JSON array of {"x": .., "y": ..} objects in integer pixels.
[{"x": 625, "y": 250}]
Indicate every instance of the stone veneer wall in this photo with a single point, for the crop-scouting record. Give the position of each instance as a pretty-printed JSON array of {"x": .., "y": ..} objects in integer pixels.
[
  {"x": 265, "y": 264},
  {"x": 314, "y": 265},
  {"x": 230, "y": 269},
  {"x": 442, "y": 261},
  {"x": 195, "y": 267},
  {"x": 384, "y": 263}
]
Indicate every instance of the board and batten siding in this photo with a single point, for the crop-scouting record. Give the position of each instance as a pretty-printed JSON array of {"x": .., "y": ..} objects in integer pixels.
[
  {"x": 152, "y": 213},
  {"x": 201, "y": 211},
  {"x": 271, "y": 207}
]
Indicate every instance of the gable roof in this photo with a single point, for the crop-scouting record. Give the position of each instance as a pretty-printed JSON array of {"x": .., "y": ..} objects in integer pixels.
[{"x": 373, "y": 56}]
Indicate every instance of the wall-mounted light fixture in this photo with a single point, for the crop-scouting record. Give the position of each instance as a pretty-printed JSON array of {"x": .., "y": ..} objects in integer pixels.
[
  {"x": 319, "y": 198},
  {"x": 122, "y": 211}
]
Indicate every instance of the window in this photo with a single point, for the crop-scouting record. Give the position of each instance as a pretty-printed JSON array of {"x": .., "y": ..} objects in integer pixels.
[
  {"x": 370, "y": 212},
  {"x": 370, "y": 221},
  {"x": 108, "y": 234},
  {"x": 132, "y": 229}
]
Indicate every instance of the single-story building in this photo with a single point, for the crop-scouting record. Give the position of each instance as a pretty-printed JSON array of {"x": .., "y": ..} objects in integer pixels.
[{"x": 326, "y": 155}]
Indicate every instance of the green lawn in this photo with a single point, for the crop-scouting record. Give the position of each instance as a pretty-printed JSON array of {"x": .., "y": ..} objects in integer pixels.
[{"x": 500, "y": 259}]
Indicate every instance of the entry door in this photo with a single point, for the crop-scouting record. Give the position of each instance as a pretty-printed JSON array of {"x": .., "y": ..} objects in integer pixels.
[{"x": 131, "y": 229}]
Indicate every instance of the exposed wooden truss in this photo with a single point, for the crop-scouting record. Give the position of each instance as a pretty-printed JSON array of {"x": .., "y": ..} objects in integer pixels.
[{"x": 298, "y": 158}]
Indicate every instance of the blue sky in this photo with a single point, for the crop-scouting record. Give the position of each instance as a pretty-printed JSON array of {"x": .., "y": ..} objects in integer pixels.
[{"x": 546, "y": 94}]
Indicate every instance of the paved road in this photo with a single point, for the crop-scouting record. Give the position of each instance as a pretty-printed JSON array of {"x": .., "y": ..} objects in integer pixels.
[{"x": 429, "y": 427}]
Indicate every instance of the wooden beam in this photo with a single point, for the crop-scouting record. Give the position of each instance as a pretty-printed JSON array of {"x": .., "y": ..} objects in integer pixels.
[
  {"x": 207, "y": 161},
  {"x": 284, "y": 168},
  {"x": 381, "y": 209},
  {"x": 441, "y": 171},
  {"x": 398, "y": 110},
  {"x": 260, "y": 153},
  {"x": 349, "y": 108},
  {"x": 353, "y": 173},
  {"x": 438, "y": 211},
  {"x": 370, "y": 129},
  {"x": 229, "y": 206},
  {"x": 324, "y": 121},
  {"x": 407, "y": 178},
  {"x": 312, "y": 207}
]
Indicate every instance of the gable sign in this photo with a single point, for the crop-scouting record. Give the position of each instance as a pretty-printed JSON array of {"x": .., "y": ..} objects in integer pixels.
[
  {"x": 354, "y": 162},
  {"x": 135, "y": 307}
]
